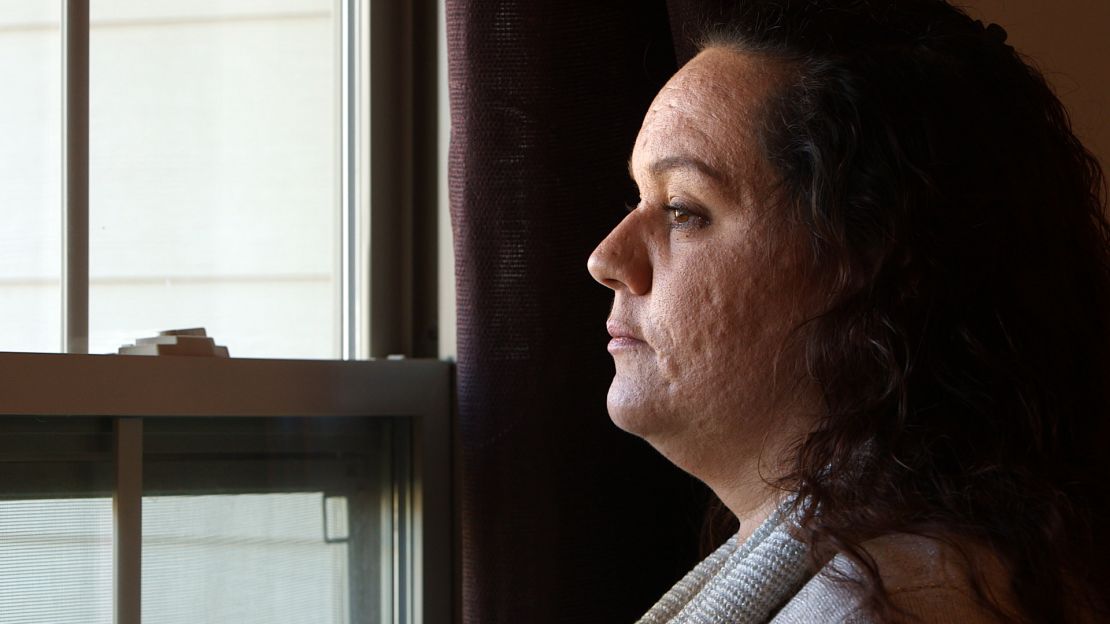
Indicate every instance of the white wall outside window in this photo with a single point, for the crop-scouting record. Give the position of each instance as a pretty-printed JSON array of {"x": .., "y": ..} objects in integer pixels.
[{"x": 215, "y": 193}]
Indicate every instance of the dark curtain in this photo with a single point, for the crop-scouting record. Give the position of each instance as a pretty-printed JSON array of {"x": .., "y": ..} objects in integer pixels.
[{"x": 563, "y": 517}]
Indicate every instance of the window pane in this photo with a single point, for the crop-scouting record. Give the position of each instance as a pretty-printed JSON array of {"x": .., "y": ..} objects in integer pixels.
[
  {"x": 269, "y": 520},
  {"x": 265, "y": 520},
  {"x": 55, "y": 520},
  {"x": 30, "y": 176},
  {"x": 242, "y": 558},
  {"x": 56, "y": 561},
  {"x": 214, "y": 175}
]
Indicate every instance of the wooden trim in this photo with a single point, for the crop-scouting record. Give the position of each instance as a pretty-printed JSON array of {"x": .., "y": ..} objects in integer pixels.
[
  {"x": 38, "y": 384},
  {"x": 127, "y": 522},
  {"x": 75, "y": 161}
]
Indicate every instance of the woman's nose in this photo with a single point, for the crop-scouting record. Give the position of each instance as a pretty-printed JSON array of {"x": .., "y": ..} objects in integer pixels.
[{"x": 622, "y": 261}]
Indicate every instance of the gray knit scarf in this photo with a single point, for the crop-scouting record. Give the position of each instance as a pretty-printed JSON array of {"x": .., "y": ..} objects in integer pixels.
[{"x": 738, "y": 583}]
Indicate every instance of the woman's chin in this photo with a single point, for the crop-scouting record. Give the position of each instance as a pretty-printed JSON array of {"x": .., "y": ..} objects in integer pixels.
[
  {"x": 626, "y": 422},
  {"x": 622, "y": 410},
  {"x": 631, "y": 411}
]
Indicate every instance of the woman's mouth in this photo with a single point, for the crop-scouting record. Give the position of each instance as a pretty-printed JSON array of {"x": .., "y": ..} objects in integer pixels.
[{"x": 623, "y": 337}]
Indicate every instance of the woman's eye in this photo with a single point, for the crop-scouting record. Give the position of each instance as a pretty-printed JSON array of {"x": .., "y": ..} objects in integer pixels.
[{"x": 683, "y": 218}]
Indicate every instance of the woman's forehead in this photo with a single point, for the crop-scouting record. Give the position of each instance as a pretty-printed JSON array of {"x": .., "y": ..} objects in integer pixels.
[{"x": 708, "y": 111}]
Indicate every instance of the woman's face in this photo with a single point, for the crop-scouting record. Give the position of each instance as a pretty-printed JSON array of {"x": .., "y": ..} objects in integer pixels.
[{"x": 706, "y": 286}]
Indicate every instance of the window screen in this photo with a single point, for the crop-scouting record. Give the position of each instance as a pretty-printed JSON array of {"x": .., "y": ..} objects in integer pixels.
[{"x": 245, "y": 519}]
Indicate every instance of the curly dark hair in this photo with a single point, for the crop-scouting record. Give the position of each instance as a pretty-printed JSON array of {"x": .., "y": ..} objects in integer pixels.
[{"x": 964, "y": 357}]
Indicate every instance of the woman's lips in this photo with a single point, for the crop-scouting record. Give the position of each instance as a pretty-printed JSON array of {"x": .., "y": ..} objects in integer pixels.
[
  {"x": 623, "y": 337},
  {"x": 623, "y": 343}
]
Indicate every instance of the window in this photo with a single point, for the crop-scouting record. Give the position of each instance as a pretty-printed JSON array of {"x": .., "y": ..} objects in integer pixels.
[
  {"x": 223, "y": 490},
  {"x": 214, "y": 162},
  {"x": 31, "y": 176},
  {"x": 216, "y": 193}
]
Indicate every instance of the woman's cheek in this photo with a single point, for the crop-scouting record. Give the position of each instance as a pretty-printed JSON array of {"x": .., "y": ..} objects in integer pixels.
[{"x": 696, "y": 330}]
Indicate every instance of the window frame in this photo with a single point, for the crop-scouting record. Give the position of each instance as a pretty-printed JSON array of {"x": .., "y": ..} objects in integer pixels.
[
  {"x": 131, "y": 388},
  {"x": 392, "y": 77},
  {"x": 392, "y": 256}
]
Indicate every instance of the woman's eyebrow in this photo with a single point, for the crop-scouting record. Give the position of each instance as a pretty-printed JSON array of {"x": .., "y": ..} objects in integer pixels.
[{"x": 670, "y": 163}]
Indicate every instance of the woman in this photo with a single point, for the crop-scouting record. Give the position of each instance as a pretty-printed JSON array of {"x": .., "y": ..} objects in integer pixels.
[{"x": 864, "y": 298}]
